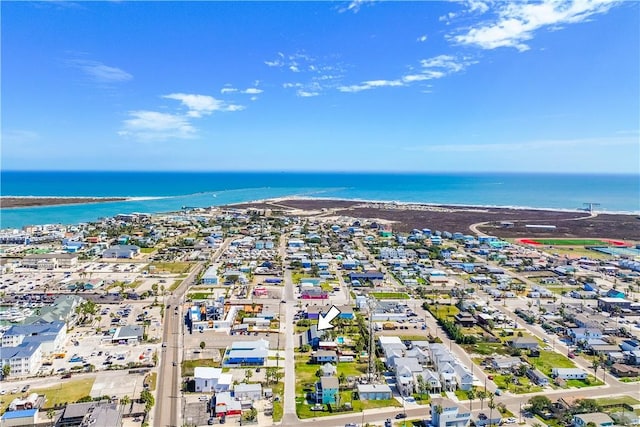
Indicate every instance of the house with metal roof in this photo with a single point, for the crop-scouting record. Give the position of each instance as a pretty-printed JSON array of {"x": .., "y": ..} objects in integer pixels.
[{"x": 374, "y": 392}]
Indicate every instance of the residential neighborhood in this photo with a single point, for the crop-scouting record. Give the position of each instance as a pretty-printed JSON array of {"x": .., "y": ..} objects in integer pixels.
[{"x": 228, "y": 312}]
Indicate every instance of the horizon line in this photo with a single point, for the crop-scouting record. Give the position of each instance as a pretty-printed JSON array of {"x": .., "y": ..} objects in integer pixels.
[{"x": 319, "y": 171}]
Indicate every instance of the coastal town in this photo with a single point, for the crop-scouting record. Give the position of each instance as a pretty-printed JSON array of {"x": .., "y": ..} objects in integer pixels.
[{"x": 331, "y": 314}]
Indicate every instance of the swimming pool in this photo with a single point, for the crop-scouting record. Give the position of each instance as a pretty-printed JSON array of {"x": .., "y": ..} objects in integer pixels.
[{"x": 340, "y": 340}]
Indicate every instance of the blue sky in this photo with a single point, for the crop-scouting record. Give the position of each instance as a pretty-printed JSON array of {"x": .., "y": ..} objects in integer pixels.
[{"x": 322, "y": 86}]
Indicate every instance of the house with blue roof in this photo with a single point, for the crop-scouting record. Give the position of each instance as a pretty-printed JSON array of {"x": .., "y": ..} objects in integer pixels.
[
  {"x": 24, "y": 359},
  {"x": 25, "y": 417},
  {"x": 247, "y": 353},
  {"x": 56, "y": 332}
]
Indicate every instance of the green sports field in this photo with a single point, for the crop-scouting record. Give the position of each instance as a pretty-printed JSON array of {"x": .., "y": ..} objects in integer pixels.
[{"x": 571, "y": 242}]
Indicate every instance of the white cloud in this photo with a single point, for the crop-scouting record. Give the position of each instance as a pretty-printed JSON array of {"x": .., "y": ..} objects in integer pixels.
[
  {"x": 152, "y": 125},
  {"x": 354, "y": 6},
  {"x": 371, "y": 84},
  {"x": 274, "y": 63},
  {"x": 422, "y": 39},
  {"x": 253, "y": 98},
  {"x": 200, "y": 105},
  {"x": 305, "y": 94},
  {"x": 252, "y": 91},
  {"x": 294, "y": 68},
  {"x": 290, "y": 85},
  {"x": 517, "y": 22},
  {"x": 228, "y": 90},
  {"x": 430, "y": 69},
  {"x": 156, "y": 126},
  {"x": 100, "y": 72}
]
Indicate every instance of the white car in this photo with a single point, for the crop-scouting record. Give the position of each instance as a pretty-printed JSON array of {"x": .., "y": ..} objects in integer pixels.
[
  {"x": 203, "y": 399},
  {"x": 510, "y": 420}
]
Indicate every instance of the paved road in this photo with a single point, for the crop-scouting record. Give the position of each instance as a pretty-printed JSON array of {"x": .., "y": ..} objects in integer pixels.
[{"x": 169, "y": 395}]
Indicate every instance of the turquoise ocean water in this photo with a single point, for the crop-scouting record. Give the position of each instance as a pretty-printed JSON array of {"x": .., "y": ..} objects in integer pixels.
[{"x": 170, "y": 191}]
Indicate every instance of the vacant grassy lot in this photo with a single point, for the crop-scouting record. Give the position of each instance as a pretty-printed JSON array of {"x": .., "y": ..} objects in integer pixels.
[
  {"x": 618, "y": 400},
  {"x": 189, "y": 365},
  {"x": 486, "y": 348},
  {"x": 525, "y": 385},
  {"x": 151, "y": 379},
  {"x": 590, "y": 382},
  {"x": 549, "y": 360},
  {"x": 389, "y": 295},
  {"x": 172, "y": 267},
  {"x": 147, "y": 250},
  {"x": 66, "y": 391}
]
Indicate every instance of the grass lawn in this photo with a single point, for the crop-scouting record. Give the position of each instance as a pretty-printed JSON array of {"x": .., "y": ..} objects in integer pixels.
[
  {"x": 574, "y": 251},
  {"x": 486, "y": 348},
  {"x": 174, "y": 285},
  {"x": 525, "y": 385},
  {"x": 188, "y": 366},
  {"x": 278, "y": 410},
  {"x": 618, "y": 400},
  {"x": 151, "y": 379},
  {"x": 408, "y": 423},
  {"x": 571, "y": 242},
  {"x": 549, "y": 360},
  {"x": 66, "y": 391},
  {"x": 442, "y": 311},
  {"x": 147, "y": 250},
  {"x": 590, "y": 382},
  {"x": 389, "y": 295},
  {"x": 199, "y": 295},
  {"x": 172, "y": 267}
]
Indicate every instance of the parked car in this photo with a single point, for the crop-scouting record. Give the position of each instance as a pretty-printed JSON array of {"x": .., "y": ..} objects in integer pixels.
[
  {"x": 203, "y": 399},
  {"x": 401, "y": 415}
]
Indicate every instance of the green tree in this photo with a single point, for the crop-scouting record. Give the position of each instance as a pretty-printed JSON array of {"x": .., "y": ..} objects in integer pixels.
[
  {"x": 51, "y": 413},
  {"x": 248, "y": 374},
  {"x": 482, "y": 394},
  {"x": 491, "y": 405},
  {"x": 125, "y": 400},
  {"x": 147, "y": 398},
  {"x": 6, "y": 371},
  {"x": 539, "y": 404},
  {"x": 420, "y": 380},
  {"x": 269, "y": 374},
  {"x": 202, "y": 345},
  {"x": 471, "y": 394},
  {"x": 595, "y": 364}
]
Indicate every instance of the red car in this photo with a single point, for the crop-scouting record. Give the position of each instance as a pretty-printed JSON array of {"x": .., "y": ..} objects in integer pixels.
[
  {"x": 571, "y": 356},
  {"x": 490, "y": 377}
]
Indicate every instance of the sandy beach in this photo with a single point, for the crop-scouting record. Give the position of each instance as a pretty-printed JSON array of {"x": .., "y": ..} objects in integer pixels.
[
  {"x": 498, "y": 221},
  {"x": 23, "y": 202}
]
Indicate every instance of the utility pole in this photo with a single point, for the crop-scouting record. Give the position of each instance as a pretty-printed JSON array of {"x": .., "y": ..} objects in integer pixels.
[{"x": 371, "y": 367}]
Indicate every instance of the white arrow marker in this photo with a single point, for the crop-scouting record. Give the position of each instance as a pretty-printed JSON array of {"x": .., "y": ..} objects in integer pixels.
[{"x": 324, "y": 322}]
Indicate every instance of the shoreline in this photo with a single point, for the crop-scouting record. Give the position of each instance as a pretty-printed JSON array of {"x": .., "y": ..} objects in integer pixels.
[
  {"x": 427, "y": 205},
  {"x": 504, "y": 222},
  {"x": 13, "y": 202}
]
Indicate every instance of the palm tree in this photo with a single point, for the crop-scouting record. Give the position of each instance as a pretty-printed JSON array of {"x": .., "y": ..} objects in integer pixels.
[
  {"x": 51, "y": 413},
  {"x": 125, "y": 400},
  {"x": 595, "y": 364},
  {"x": 491, "y": 405},
  {"x": 482, "y": 394},
  {"x": 248, "y": 374},
  {"x": 420, "y": 380},
  {"x": 471, "y": 394}
]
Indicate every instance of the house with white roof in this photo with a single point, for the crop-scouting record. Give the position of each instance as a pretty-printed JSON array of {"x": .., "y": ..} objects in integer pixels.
[{"x": 209, "y": 380}]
